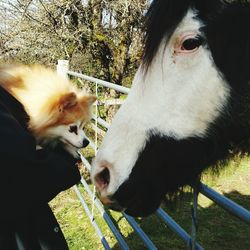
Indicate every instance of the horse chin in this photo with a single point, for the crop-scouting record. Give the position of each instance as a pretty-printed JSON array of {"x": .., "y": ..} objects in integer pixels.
[
  {"x": 137, "y": 200},
  {"x": 142, "y": 208},
  {"x": 139, "y": 206}
]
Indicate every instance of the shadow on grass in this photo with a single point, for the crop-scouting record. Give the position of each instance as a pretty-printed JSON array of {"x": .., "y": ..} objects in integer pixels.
[{"x": 218, "y": 230}]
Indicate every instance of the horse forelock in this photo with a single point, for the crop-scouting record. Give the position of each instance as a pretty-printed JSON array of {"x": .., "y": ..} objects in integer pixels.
[{"x": 164, "y": 16}]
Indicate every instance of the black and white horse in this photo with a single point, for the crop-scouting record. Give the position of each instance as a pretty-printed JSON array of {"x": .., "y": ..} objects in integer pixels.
[{"x": 185, "y": 108}]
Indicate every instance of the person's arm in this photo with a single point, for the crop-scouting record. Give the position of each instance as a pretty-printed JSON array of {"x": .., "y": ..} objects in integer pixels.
[{"x": 29, "y": 178}]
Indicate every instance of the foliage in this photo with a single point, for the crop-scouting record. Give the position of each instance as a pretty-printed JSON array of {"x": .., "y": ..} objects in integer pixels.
[{"x": 102, "y": 38}]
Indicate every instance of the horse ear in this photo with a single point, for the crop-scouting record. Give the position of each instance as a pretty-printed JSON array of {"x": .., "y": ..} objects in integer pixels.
[{"x": 67, "y": 101}]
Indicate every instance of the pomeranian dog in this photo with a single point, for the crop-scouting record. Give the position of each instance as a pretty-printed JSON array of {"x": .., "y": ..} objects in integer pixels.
[{"x": 56, "y": 108}]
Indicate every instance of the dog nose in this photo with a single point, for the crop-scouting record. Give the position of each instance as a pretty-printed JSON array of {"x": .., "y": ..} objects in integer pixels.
[{"x": 85, "y": 143}]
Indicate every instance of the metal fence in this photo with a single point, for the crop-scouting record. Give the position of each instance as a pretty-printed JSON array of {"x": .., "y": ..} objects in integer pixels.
[{"x": 190, "y": 240}]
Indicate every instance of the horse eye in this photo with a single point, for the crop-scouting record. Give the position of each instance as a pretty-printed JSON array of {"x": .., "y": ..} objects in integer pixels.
[
  {"x": 73, "y": 129},
  {"x": 192, "y": 43}
]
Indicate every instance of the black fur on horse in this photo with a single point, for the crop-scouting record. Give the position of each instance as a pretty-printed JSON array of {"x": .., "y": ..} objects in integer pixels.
[{"x": 227, "y": 33}]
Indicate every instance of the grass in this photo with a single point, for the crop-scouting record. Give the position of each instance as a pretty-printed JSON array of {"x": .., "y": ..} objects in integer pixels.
[{"x": 217, "y": 229}]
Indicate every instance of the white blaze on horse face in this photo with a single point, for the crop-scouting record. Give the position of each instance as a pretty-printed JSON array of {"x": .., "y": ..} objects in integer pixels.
[{"x": 180, "y": 95}]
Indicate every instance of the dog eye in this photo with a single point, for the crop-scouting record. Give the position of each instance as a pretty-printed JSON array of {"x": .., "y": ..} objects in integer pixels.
[{"x": 73, "y": 129}]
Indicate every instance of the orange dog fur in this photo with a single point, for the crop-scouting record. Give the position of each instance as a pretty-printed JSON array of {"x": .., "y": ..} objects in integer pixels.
[{"x": 57, "y": 109}]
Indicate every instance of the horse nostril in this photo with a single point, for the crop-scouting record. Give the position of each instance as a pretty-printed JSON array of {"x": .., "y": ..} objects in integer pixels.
[
  {"x": 85, "y": 143},
  {"x": 102, "y": 179}
]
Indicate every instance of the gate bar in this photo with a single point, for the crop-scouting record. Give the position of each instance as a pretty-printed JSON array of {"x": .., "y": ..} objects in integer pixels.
[
  {"x": 106, "y": 217},
  {"x": 97, "y": 229},
  {"x": 100, "y": 82},
  {"x": 226, "y": 203},
  {"x": 176, "y": 228},
  {"x": 150, "y": 245}
]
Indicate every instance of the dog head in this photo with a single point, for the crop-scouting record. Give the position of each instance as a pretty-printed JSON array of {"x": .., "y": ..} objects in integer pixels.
[
  {"x": 66, "y": 116},
  {"x": 57, "y": 109}
]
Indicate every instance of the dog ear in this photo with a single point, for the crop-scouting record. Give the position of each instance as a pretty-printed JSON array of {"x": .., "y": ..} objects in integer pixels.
[
  {"x": 67, "y": 101},
  {"x": 88, "y": 100},
  {"x": 9, "y": 81},
  {"x": 91, "y": 99}
]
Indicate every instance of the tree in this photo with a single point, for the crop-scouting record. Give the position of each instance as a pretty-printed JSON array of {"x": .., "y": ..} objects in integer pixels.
[{"x": 99, "y": 37}]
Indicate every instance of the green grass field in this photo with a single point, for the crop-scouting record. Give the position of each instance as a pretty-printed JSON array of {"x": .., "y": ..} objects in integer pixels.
[{"x": 217, "y": 229}]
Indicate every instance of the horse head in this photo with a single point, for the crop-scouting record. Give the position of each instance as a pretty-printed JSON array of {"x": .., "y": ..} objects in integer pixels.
[{"x": 184, "y": 111}]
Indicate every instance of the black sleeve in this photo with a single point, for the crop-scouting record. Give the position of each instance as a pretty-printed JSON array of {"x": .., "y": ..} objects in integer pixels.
[{"x": 28, "y": 178}]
